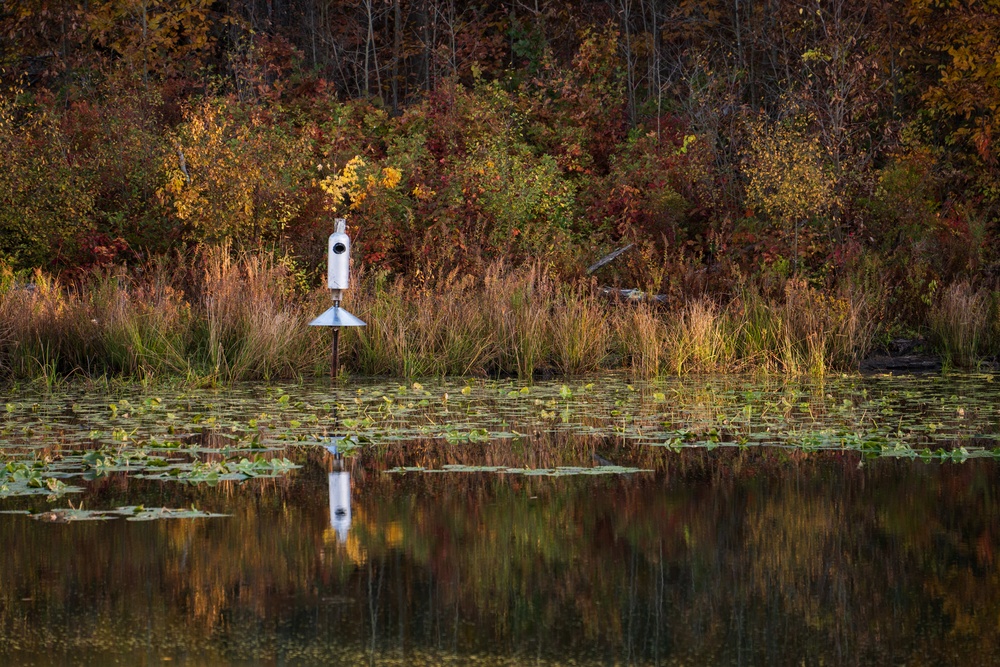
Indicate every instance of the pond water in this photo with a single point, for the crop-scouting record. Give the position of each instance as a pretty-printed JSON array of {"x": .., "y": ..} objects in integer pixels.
[{"x": 723, "y": 521}]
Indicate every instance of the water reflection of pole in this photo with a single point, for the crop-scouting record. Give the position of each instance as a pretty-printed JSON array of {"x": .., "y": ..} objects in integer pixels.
[
  {"x": 630, "y": 626},
  {"x": 373, "y": 595},
  {"x": 660, "y": 592},
  {"x": 454, "y": 640}
]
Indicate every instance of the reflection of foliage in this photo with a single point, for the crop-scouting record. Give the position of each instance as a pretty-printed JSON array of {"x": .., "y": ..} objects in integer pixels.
[{"x": 821, "y": 548}]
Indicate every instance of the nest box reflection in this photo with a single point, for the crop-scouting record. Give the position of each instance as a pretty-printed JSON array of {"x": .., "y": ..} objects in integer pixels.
[{"x": 340, "y": 496}]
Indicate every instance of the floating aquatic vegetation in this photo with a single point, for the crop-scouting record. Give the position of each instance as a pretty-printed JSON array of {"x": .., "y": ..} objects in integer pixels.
[
  {"x": 206, "y": 471},
  {"x": 20, "y": 478},
  {"x": 128, "y": 512},
  {"x": 207, "y": 436}
]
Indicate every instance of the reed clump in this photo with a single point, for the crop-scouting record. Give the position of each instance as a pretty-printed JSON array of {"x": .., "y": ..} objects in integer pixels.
[
  {"x": 33, "y": 338},
  {"x": 252, "y": 323},
  {"x": 580, "y": 329},
  {"x": 825, "y": 331},
  {"x": 642, "y": 334},
  {"x": 804, "y": 331},
  {"x": 507, "y": 322},
  {"x": 521, "y": 322},
  {"x": 697, "y": 339},
  {"x": 133, "y": 326},
  {"x": 518, "y": 303},
  {"x": 963, "y": 324}
]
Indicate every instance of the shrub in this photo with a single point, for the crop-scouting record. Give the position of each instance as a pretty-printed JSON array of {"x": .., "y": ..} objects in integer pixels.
[
  {"x": 235, "y": 175},
  {"x": 45, "y": 202}
]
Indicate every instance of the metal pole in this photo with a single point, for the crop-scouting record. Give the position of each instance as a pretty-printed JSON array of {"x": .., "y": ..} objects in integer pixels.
[{"x": 335, "y": 362}]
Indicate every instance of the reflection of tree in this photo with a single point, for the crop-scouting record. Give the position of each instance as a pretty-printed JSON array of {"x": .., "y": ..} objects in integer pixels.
[{"x": 717, "y": 554}]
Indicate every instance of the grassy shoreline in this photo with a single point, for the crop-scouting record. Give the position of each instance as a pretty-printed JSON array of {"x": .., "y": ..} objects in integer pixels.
[{"x": 214, "y": 319}]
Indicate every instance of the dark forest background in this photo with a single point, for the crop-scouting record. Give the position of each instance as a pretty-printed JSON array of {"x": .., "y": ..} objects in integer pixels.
[{"x": 833, "y": 139}]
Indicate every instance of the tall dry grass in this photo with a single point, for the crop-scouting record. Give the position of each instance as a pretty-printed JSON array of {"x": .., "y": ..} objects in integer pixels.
[
  {"x": 511, "y": 322},
  {"x": 519, "y": 322},
  {"x": 518, "y": 303},
  {"x": 132, "y": 326},
  {"x": 32, "y": 337},
  {"x": 220, "y": 318},
  {"x": 642, "y": 335},
  {"x": 802, "y": 332},
  {"x": 234, "y": 319},
  {"x": 251, "y": 323},
  {"x": 826, "y": 330},
  {"x": 580, "y": 330},
  {"x": 438, "y": 327},
  {"x": 698, "y": 340}
]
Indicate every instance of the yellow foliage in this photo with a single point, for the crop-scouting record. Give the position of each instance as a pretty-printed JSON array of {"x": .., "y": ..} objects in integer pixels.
[
  {"x": 358, "y": 181},
  {"x": 788, "y": 175},
  {"x": 423, "y": 194},
  {"x": 391, "y": 177}
]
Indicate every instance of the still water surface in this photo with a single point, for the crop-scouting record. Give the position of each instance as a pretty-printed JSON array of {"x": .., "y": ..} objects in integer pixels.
[{"x": 706, "y": 554}]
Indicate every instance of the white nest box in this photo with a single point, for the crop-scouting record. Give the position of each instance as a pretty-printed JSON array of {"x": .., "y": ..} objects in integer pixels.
[
  {"x": 338, "y": 279},
  {"x": 338, "y": 272}
]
